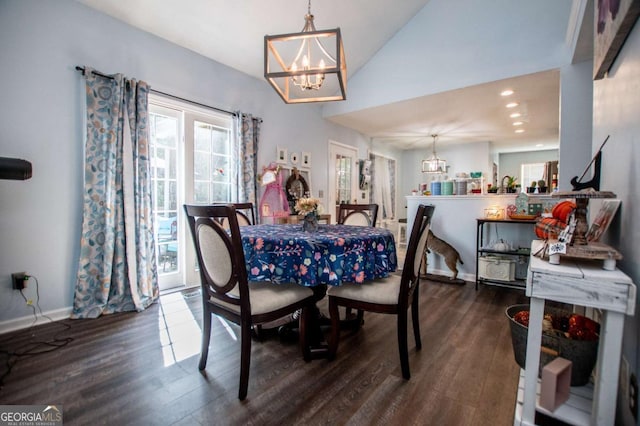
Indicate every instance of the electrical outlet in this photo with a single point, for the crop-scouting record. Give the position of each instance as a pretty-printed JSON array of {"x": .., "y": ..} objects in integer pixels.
[
  {"x": 18, "y": 280},
  {"x": 633, "y": 396}
]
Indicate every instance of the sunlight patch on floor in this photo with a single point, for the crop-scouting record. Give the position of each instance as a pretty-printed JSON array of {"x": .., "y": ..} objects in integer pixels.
[{"x": 180, "y": 334}]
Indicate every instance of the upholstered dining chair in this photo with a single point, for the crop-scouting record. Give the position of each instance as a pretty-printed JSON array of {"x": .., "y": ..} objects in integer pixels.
[
  {"x": 358, "y": 214},
  {"x": 226, "y": 291},
  {"x": 244, "y": 213},
  {"x": 392, "y": 295}
]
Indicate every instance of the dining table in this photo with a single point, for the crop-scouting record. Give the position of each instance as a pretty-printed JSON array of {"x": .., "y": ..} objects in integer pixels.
[{"x": 332, "y": 255}]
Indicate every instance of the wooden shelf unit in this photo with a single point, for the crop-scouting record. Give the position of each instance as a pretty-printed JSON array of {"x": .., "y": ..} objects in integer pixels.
[{"x": 586, "y": 284}]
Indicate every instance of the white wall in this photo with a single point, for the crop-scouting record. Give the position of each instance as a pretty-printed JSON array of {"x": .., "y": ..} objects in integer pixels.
[
  {"x": 41, "y": 120},
  {"x": 616, "y": 108},
  {"x": 442, "y": 49},
  {"x": 576, "y": 111}
]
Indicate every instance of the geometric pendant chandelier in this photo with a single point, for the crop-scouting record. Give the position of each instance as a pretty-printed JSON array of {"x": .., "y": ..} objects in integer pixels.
[
  {"x": 308, "y": 66},
  {"x": 434, "y": 164}
]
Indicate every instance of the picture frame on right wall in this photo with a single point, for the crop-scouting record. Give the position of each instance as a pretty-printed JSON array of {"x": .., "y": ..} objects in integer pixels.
[
  {"x": 282, "y": 156},
  {"x": 614, "y": 20},
  {"x": 306, "y": 160},
  {"x": 602, "y": 220}
]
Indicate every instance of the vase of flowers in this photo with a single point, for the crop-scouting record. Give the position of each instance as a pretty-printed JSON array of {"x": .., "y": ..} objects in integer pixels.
[{"x": 308, "y": 208}]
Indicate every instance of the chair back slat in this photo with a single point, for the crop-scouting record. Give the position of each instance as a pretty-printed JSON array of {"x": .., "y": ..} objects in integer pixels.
[
  {"x": 244, "y": 213},
  {"x": 358, "y": 214},
  {"x": 357, "y": 218}
]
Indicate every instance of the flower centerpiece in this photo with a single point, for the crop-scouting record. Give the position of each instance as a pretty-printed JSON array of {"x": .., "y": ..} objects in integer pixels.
[{"x": 308, "y": 207}]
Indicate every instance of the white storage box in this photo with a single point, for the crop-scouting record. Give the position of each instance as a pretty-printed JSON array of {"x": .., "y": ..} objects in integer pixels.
[{"x": 496, "y": 268}]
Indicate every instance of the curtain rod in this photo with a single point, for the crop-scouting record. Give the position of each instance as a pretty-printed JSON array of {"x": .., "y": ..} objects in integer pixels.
[{"x": 235, "y": 114}]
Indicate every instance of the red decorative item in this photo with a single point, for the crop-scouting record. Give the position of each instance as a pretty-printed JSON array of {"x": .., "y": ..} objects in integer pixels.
[
  {"x": 562, "y": 210},
  {"x": 549, "y": 228},
  {"x": 522, "y": 317}
]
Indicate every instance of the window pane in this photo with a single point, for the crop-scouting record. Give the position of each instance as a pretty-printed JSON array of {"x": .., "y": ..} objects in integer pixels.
[
  {"x": 173, "y": 195},
  {"x": 164, "y": 139},
  {"x": 172, "y": 159},
  {"x": 160, "y": 196},
  {"x": 164, "y": 130},
  {"x": 202, "y": 137},
  {"x": 220, "y": 192},
  {"x": 201, "y": 192},
  {"x": 221, "y": 167},
  {"x": 200, "y": 166},
  {"x": 220, "y": 140},
  {"x": 212, "y": 163}
]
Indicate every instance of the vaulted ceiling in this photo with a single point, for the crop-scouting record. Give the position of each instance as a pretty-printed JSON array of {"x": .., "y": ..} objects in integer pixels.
[{"x": 231, "y": 32}]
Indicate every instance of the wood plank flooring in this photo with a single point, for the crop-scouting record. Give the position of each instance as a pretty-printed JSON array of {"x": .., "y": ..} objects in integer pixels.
[{"x": 141, "y": 368}]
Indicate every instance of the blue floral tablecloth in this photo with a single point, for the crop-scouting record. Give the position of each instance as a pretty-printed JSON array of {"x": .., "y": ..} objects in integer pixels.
[{"x": 333, "y": 255}]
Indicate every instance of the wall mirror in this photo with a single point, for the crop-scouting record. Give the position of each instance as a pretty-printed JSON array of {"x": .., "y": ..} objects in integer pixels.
[{"x": 296, "y": 187}]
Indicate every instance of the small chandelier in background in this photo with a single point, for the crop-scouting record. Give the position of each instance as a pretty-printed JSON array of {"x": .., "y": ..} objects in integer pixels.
[
  {"x": 308, "y": 66},
  {"x": 434, "y": 164}
]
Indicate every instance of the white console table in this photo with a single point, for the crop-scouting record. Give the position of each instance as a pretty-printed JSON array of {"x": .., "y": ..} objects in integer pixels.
[{"x": 585, "y": 284}]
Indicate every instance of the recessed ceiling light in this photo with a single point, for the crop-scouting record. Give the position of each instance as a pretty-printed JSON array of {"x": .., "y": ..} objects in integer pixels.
[
  {"x": 520, "y": 131},
  {"x": 539, "y": 145},
  {"x": 515, "y": 115},
  {"x": 507, "y": 92},
  {"x": 512, "y": 104},
  {"x": 518, "y": 123}
]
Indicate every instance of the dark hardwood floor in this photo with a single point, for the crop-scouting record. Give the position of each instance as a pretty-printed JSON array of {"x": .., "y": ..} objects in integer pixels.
[{"x": 141, "y": 368}]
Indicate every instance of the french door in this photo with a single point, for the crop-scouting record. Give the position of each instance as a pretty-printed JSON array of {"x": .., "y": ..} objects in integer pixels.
[
  {"x": 191, "y": 163},
  {"x": 343, "y": 176}
]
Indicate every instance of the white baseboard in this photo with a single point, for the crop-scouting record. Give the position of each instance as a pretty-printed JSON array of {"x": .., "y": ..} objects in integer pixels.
[
  {"x": 26, "y": 321},
  {"x": 448, "y": 273}
]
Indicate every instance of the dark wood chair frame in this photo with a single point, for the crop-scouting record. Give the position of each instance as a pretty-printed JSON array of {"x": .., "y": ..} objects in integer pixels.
[
  {"x": 245, "y": 211},
  {"x": 211, "y": 216},
  {"x": 368, "y": 210},
  {"x": 408, "y": 295}
]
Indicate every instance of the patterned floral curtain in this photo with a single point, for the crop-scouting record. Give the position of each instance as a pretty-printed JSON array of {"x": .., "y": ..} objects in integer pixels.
[
  {"x": 117, "y": 268},
  {"x": 249, "y": 135}
]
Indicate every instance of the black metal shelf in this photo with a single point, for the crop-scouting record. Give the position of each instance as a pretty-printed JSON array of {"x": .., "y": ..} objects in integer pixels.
[
  {"x": 516, "y": 284},
  {"x": 523, "y": 252},
  {"x": 519, "y": 284}
]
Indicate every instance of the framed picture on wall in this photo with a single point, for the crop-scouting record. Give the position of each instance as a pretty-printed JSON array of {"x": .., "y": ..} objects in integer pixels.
[
  {"x": 306, "y": 159},
  {"x": 281, "y": 155},
  {"x": 294, "y": 158},
  {"x": 603, "y": 219},
  {"x": 614, "y": 21}
]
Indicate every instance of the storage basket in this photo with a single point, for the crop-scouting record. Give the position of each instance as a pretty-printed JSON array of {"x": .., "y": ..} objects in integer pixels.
[
  {"x": 582, "y": 353},
  {"x": 496, "y": 268}
]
